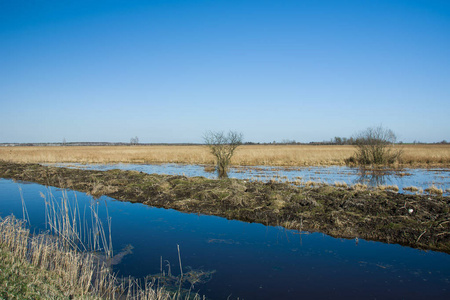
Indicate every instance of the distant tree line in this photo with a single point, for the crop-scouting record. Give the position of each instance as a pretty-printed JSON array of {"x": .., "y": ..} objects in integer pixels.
[
  {"x": 334, "y": 141},
  {"x": 343, "y": 141}
]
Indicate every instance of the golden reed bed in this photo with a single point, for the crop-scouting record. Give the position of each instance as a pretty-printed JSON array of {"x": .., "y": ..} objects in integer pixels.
[{"x": 247, "y": 155}]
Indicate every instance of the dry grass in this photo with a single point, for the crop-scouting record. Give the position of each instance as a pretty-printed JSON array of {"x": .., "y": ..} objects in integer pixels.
[
  {"x": 65, "y": 262},
  {"x": 393, "y": 188},
  {"x": 249, "y": 155},
  {"x": 426, "y": 155},
  {"x": 434, "y": 190},
  {"x": 411, "y": 188},
  {"x": 42, "y": 266},
  {"x": 342, "y": 184},
  {"x": 360, "y": 187}
]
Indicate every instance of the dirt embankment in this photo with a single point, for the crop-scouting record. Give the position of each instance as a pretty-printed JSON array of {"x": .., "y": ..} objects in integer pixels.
[{"x": 420, "y": 221}]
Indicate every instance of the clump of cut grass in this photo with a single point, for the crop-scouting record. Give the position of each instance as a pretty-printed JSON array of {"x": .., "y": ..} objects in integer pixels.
[
  {"x": 388, "y": 188},
  {"x": 393, "y": 188},
  {"x": 342, "y": 184},
  {"x": 359, "y": 186},
  {"x": 311, "y": 183},
  {"x": 434, "y": 190},
  {"x": 411, "y": 188}
]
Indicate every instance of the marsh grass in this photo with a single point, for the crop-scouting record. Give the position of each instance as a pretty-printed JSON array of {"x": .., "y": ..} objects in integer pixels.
[
  {"x": 246, "y": 155},
  {"x": 393, "y": 188},
  {"x": 341, "y": 184},
  {"x": 434, "y": 190},
  {"x": 64, "y": 262},
  {"x": 42, "y": 266},
  {"x": 411, "y": 188},
  {"x": 360, "y": 187}
]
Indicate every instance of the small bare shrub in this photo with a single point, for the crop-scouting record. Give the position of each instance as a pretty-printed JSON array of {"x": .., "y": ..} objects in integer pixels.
[
  {"x": 375, "y": 145},
  {"x": 223, "y": 146}
]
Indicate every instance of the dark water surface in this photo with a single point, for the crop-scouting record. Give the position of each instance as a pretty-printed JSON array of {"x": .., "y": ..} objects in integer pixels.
[
  {"x": 420, "y": 178},
  {"x": 251, "y": 261}
]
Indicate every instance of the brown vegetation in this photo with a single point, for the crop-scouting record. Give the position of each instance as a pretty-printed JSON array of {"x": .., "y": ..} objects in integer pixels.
[
  {"x": 376, "y": 146},
  {"x": 43, "y": 267},
  {"x": 250, "y": 155},
  {"x": 71, "y": 262},
  {"x": 420, "y": 221}
]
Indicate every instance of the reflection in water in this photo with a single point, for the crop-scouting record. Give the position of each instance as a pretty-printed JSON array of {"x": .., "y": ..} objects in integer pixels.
[
  {"x": 249, "y": 261},
  {"x": 374, "y": 177},
  {"x": 188, "y": 280},
  {"x": 420, "y": 178},
  {"x": 116, "y": 259}
]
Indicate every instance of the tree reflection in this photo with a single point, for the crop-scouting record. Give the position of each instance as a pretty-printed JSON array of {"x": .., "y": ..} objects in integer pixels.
[{"x": 374, "y": 177}]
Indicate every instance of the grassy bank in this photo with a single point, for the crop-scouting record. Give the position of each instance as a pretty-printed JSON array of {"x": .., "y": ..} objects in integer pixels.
[
  {"x": 250, "y": 155},
  {"x": 39, "y": 267},
  {"x": 52, "y": 265},
  {"x": 42, "y": 267},
  {"x": 420, "y": 221}
]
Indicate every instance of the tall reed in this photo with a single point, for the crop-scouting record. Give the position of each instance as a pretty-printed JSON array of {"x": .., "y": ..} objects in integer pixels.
[
  {"x": 64, "y": 261},
  {"x": 246, "y": 155}
]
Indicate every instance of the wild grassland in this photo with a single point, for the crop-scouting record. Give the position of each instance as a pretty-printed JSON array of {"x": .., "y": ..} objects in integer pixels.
[{"x": 246, "y": 155}]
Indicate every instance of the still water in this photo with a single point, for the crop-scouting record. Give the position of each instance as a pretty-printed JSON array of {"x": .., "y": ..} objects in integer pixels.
[
  {"x": 420, "y": 178},
  {"x": 250, "y": 261}
]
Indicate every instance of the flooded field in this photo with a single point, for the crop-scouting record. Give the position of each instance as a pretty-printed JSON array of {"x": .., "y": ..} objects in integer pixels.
[
  {"x": 405, "y": 178},
  {"x": 232, "y": 259}
]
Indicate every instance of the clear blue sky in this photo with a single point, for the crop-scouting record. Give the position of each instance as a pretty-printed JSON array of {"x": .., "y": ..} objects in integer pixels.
[{"x": 167, "y": 71}]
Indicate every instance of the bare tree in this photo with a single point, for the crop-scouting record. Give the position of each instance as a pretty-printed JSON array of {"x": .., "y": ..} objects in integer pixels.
[
  {"x": 134, "y": 141},
  {"x": 222, "y": 146},
  {"x": 375, "y": 145}
]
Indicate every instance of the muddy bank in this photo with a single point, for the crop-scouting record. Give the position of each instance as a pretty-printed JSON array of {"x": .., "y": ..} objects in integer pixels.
[{"x": 420, "y": 221}]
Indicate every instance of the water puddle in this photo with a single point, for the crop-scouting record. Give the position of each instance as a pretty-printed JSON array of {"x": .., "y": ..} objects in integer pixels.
[{"x": 405, "y": 180}]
